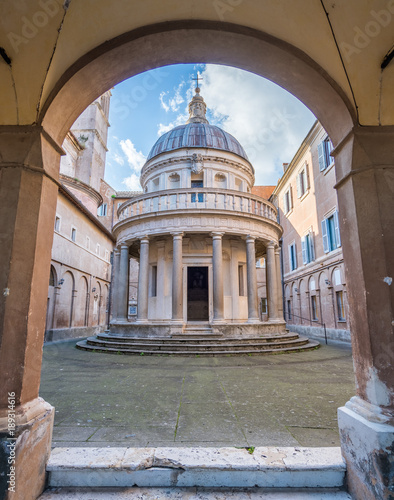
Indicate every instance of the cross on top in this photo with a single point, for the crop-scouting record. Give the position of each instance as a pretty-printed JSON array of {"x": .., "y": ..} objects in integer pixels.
[{"x": 196, "y": 79}]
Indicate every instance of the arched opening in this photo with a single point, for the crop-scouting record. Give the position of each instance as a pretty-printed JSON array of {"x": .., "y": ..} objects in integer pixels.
[{"x": 254, "y": 51}]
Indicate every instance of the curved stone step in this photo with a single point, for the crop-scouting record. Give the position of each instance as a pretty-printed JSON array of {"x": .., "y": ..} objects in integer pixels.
[
  {"x": 174, "y": 346},
  {"x": 306, "y": 344},
  {"x": 186, "y": 339}
]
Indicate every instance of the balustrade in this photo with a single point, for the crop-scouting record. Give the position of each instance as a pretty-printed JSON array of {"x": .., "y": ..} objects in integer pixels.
[{"x": 192, "y": 198}]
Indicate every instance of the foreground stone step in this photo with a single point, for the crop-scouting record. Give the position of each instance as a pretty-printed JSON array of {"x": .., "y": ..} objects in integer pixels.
[
  {"x": 193, "y": 493},
  {"x": 228, "y": 351},
  {"x": 263, "y": 467}
]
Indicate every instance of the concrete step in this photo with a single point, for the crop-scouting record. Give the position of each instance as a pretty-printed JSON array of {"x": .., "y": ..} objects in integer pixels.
[
  {"x": 261, "y": 467},
  {"x": 166, "y": 350},
  {"x": 193, "y": 494}
]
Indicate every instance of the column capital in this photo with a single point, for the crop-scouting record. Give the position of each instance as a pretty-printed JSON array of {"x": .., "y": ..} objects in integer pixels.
[
  {"x": 144, "y": 239},
  {"x": 177, "y": 235},
  {"x": 277, "y": 250},
  {"x": 270, "y": 245},
  {"x": 249, "y": 238},
  {"x": 123, "y": 246},
  {"x": 217, "y": 235},
  {"x": 116, "y": 251}
]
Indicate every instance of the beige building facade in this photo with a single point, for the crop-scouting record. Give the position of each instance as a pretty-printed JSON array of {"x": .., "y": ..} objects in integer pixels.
[
  {"x": 78, "y": 301},
  {"x": 314, "y": 280}
]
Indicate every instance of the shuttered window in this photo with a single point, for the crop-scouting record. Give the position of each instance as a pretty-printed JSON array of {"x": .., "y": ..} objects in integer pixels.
[{"x": 330, "y": 233}]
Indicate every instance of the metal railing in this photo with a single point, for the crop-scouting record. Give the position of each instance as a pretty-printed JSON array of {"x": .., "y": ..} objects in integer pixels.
[
  {"x": 311, "y": 321},
  {"x": 197, "y": 198}
]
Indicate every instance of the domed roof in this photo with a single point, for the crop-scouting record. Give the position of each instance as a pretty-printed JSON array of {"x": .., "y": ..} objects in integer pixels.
[{"x": 197, "y": 133}]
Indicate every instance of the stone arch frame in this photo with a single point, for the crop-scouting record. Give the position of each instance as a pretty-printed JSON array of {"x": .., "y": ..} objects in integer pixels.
[
  {"x": 325, "y": 297},
  {"x": 82, "y": 302},
  {"x": 69, "y": 293},
  {"x": 295, "y": 71}
]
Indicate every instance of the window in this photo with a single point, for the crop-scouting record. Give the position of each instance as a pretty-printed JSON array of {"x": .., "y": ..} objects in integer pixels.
[
  {"x": 73, "y": 234},
  {"x": 260, "y": 263},
  {"x": 88, "y": 242},
  {"x": 197, "y": 196},
  {"x": 308, "y": 250},
  {"x": 287, "y": 201},
  {"x": 330, "y": 233},
  {"x": 107, "y": 255},
  {"x": 98, "y": 249},
  {"x": 315, "y": 315},
  {"x": 293, "y": 256},
  {"x": 57, "y": 223},
  {"x": 288, "y": 309},
  {"x": 324, "y": 149},
  {"x": 102, "y": 210},
  {"x": 340, "y": 306},
  {"x": 263, "y": 305},
  {"x": 241, "y": 284},
  {"x": 302, "y": 182},
  {"x": 154, "y": 282}
]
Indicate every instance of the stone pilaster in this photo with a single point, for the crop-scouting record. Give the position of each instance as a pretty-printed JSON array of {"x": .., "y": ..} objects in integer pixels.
[
  {"x": 177, "y": 279},
  {"x": 272, "y": 291},
  {"x": 29, "y": 164},
  {"x": 253, "y": 313},
  {"x": 365, "y": 184},
  {"x": 123, "y": 283},
  {"x": 143, "y": 281},
  {"x": 217, "y": 271},
  {"x": 279, "y": 299},
  {"x": 115, "y": 288}
]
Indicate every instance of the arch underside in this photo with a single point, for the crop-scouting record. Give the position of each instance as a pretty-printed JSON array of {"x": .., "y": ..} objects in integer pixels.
[{"x": 196, "y": 42}]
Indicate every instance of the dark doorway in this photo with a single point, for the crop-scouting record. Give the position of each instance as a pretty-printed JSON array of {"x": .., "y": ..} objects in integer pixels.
[{"x": 197, "y": 294}]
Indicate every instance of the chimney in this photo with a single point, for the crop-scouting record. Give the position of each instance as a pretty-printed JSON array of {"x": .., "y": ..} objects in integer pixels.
[{"x": 285, "y": 165}]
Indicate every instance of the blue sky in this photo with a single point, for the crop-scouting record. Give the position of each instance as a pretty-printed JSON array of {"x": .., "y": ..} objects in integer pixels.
[{"x": 268, "y": 121}]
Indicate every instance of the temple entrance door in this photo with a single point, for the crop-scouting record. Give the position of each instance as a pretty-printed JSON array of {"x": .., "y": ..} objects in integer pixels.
[{"x": 197, "y": 294}]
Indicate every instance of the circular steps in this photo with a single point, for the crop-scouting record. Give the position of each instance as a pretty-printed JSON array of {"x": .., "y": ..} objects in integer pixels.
[{"x": 193, "y": 345}]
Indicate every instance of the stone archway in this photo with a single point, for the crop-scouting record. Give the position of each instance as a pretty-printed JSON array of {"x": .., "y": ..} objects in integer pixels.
[{"x": 365, "y": 182}]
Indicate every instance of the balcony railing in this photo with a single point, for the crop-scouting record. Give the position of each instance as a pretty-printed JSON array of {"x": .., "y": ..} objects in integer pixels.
[{"x": 197, "y": 198}]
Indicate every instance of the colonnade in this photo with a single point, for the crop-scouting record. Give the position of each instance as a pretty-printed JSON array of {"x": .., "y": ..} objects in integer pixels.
[{"x": 121, "y": 281}]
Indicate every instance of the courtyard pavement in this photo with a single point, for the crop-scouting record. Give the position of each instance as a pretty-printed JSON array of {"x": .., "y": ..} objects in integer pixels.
[{"x": 139, "y": 401}]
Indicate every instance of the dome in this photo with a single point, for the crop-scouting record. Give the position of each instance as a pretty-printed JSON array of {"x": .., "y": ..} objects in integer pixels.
[{"x": 197, "y": 135}]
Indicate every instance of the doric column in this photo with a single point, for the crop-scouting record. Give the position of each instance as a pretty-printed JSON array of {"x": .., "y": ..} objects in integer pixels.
[
  {"x": 123, "y": 282},
  {"x": 217, "y": 271},
  {"x": 271, "y": 283},
  {"x": 115, "y": 288},
  {"x": 143, "y": 281},
  {"x": 177, "y": 289},
  {"x": 279, "y": 299},
  {"x": 160, "y": 284},
  {"x": 253, "y": 313}
]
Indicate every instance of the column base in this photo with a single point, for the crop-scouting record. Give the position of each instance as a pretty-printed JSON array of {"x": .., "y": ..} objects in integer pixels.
[
  {"x": 254, "y": 320},
  {"x": 367, "y": 443},
  {"x": 27, "y": 451}
]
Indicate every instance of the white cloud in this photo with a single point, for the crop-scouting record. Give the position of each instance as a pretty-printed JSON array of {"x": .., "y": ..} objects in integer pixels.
[
  {"x": 174, "y": 102},
  {"x": 118, "y": 159},
  {"x": 135, "y": 158},
  {"x": 164, "y": 105},
  {"x": 132, "y": 182},
  {"x": 181, "y": 119},
  {"x": 269, "y": 122}
]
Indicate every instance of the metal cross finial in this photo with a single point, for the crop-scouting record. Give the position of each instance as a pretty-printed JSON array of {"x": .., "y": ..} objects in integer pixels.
[{"x": 197, "y": 80}]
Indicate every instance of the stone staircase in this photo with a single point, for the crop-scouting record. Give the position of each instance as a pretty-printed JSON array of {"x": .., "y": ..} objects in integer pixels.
[
  {"x": 198, "y": 341},
  {"x": 209, "y": 473}
]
